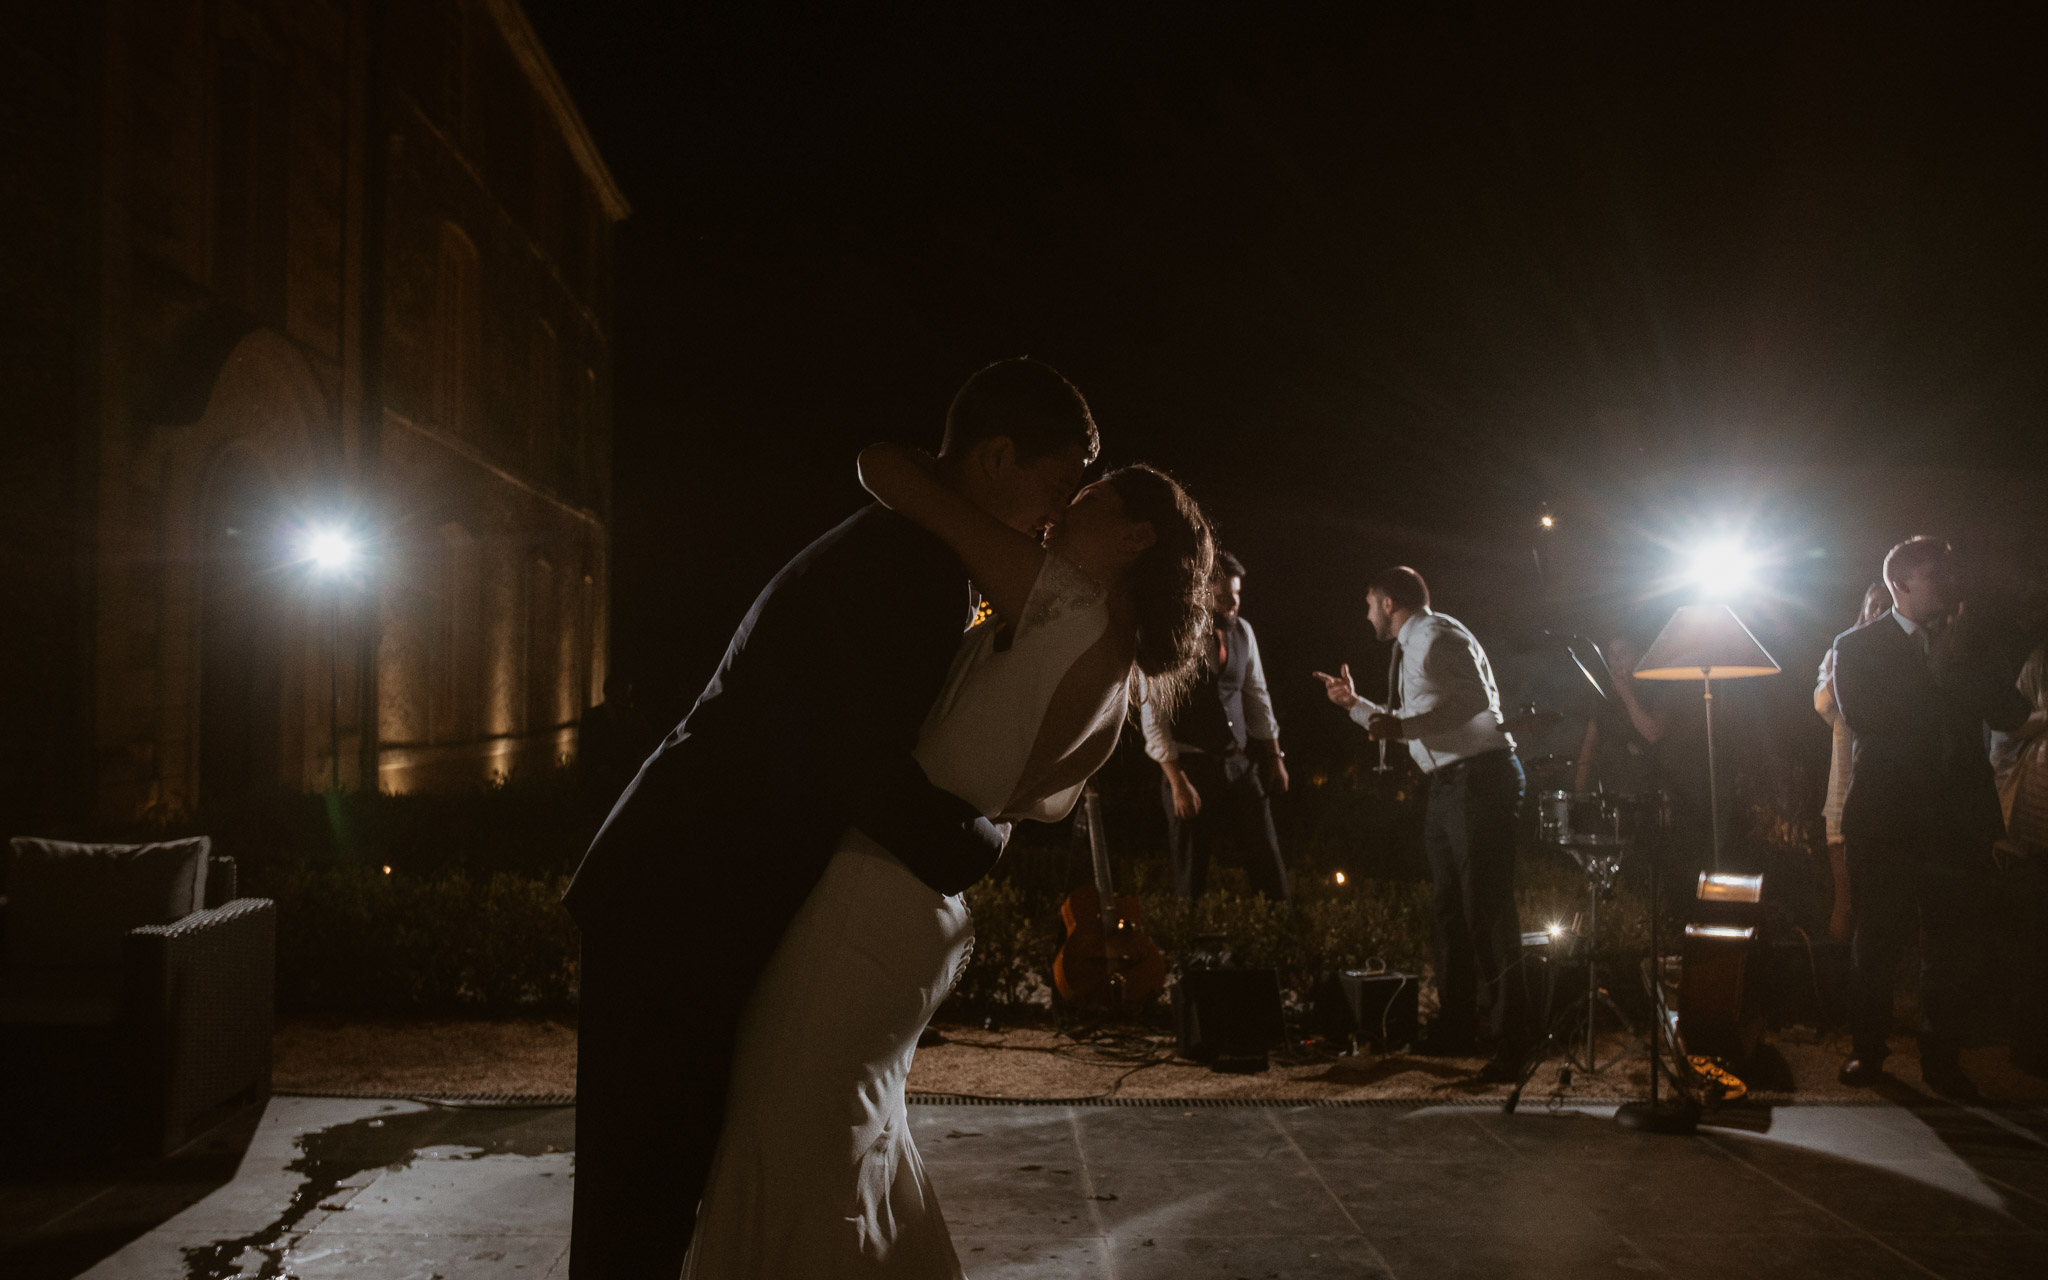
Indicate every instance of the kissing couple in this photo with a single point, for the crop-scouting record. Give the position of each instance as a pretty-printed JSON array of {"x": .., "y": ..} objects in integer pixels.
[{"x": 772, "y": 912}]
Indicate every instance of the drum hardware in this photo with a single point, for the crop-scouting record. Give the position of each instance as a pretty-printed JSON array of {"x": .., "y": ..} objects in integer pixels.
[
  {"x": 1579, "y": 1021},
  {"x": 1596, "y": 829}
]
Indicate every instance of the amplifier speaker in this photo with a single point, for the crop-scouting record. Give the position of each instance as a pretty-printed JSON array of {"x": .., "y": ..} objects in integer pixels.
[
  {"x": 1379, "y": 1007},
  {"x": 1721, "y": 1009},
  {"x": 1228, "y": 1017},
  {"x": 1542, "y": 959}
]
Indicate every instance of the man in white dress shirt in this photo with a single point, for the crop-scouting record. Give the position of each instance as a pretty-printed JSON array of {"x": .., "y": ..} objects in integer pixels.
[
  {"x": 1443, "y": 702},
  {"x": 1215, "y": 799}
]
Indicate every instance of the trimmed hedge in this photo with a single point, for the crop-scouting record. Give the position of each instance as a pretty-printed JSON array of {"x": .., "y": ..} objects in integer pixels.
[{"x": 467, "y": 919}]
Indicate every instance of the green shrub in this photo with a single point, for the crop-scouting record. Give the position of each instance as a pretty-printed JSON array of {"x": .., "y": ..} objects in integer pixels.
[
  {"x": 412, "y": 904},
  {"x": 1015, "y": 938},
  {"x": 354, "y": 940},
  {"x": 467, "y": 917}
]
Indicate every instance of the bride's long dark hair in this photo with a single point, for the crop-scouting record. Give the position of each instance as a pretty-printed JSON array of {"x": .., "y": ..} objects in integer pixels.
[{"x": 1169, "y": 584}]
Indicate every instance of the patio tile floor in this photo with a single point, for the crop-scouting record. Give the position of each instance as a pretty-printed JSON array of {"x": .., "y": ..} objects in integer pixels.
[{"x": 372, "y": 1189}]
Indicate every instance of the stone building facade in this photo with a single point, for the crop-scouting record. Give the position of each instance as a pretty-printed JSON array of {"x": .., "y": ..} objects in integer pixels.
[{"x": 287, "y": 267}]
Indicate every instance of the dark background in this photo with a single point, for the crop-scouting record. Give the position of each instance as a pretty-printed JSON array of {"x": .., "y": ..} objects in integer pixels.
[{"x": 1378, "y": 291}]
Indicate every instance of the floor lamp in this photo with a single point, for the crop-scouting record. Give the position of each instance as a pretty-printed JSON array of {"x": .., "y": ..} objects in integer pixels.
[{"x": 1705, "y": 643}]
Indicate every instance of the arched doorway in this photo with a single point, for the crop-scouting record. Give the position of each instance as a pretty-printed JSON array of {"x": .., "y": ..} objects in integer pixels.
[{"x": 242, "y": 635}]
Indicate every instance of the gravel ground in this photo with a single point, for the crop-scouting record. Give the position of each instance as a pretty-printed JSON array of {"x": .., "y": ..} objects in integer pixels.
[{"x": 539, "y": 1057}]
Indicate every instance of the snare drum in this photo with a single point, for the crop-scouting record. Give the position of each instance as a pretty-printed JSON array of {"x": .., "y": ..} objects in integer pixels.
[{"x": 1584, "y": 819}]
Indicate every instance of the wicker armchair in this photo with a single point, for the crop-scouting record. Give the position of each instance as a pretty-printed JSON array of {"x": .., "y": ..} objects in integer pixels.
[{"x": 140, "y": 1055}]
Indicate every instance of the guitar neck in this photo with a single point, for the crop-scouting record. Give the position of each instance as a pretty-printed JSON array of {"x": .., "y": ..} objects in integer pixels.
[{"x": 1098, "y": 851}]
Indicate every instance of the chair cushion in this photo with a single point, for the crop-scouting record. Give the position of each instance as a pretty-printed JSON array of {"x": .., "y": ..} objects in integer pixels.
[
  {"x": 68, "y": 905},
  {"x": 42, "y": 996}
]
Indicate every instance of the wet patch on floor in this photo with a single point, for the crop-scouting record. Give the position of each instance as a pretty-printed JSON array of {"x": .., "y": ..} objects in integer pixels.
[{"x": 331, "y": 1159}]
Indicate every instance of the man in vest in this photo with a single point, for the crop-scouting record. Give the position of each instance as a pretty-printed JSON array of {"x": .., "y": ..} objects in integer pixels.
[{"x": 1220, "y": 754}]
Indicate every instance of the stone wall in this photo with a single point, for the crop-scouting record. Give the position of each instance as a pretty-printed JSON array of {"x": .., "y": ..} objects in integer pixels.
[{"x": 189, "y": 275}]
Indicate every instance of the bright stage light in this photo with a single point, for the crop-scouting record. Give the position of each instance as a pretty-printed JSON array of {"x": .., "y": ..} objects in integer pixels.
[
  {"x": 1555, "y": 929},
  {"x": 1340, "y": 877},
  {"x": 1548, "y": 522},
  {"x": 1722, "y": 568},
  {"x": 330, "y": 551}
]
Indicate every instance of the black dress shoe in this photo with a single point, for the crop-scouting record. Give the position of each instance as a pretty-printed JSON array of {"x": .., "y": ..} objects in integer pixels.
[
  {"x": 1946, "y": 1080},
  {"x": 1862, "y": 1073}
]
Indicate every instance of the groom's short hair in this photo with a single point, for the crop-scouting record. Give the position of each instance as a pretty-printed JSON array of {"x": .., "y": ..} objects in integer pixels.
[{"x": 1026, "y": 400}]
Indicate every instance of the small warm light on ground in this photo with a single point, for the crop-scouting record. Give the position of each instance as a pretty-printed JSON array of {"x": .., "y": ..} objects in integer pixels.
[
  {"x": 1548, "y": 522},
  {"x": 1340, "y": 877},
  {"x": 387, "y": 870}
]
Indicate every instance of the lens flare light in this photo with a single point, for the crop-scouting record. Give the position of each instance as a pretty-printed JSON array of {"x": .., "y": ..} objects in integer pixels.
[
  {"x": 1722, "y": 569},
  {"x": 329, "y": 550}
]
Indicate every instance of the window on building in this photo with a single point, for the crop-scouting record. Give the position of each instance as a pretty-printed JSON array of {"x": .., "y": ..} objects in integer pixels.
[
  {"x": 574, "y": 453},
  {"x": 543, "y": 647},
  {"x": 458, "y": 335},
  {"x": 250, "y": 135},
  {"x": 543, "y": 402},
  {"x": 458, "y": 635}
]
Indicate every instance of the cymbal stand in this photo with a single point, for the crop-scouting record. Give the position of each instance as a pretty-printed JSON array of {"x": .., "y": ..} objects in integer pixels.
[
  {"x": 1573, "y": 1031},
  {"x": 1601, "y": 863}
]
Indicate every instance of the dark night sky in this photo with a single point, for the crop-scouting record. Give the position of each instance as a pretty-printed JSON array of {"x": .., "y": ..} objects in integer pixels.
[{"x": 1374, "y": 290}]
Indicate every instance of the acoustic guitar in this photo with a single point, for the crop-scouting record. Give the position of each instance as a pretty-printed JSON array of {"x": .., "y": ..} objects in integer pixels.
[{"x": 1106, "y": 957}]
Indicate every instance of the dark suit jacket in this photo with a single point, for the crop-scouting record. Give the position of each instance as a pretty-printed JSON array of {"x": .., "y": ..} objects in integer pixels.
[
  {"x": 1922, "y": 775},
  {"x": 806, "y": 728}
]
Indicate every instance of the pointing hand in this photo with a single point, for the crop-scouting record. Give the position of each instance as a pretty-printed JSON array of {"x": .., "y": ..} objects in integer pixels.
[{"x": 1339, "y": 687}]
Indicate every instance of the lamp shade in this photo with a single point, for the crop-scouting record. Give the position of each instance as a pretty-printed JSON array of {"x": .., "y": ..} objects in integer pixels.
[{"x": 1705, "y": 642}]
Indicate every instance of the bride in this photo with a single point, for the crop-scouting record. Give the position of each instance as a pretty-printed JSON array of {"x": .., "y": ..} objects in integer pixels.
[{"x": 816, "y": 1174}]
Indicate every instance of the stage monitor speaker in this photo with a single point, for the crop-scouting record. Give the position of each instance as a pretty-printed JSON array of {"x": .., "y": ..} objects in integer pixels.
[{"x": 1228, "y": 1017}]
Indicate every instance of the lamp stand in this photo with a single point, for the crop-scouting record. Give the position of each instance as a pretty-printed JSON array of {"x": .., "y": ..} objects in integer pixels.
[
  {"x": 1681, "y": 1117},
  {"x": 1713, "y": 779},
  {"x": 334, "y": 698}
]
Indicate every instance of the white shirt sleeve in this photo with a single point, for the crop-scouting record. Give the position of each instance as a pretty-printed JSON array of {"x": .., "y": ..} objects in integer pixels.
[
  {"x": 1451, "y": 690},
  {"x": 1158, "y": 733},
  {"x": 1824, "y": 691},
  {"x": 1364, "y": 710},
  {"x": 1259, "y": 721}
]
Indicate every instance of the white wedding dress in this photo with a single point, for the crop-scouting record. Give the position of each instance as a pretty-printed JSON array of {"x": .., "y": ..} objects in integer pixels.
[{"x": 816, "y": 1175}]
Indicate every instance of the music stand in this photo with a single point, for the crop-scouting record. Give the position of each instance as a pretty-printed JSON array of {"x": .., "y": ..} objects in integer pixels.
[{"x": 1704, "y": 643}]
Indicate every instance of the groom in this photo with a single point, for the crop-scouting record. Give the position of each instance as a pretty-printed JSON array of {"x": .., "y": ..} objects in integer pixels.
[{"x": 806, "y": 728}]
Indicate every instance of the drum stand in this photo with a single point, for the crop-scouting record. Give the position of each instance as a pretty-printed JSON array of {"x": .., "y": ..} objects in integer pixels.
[{"x": 1572, "y": 1033}]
